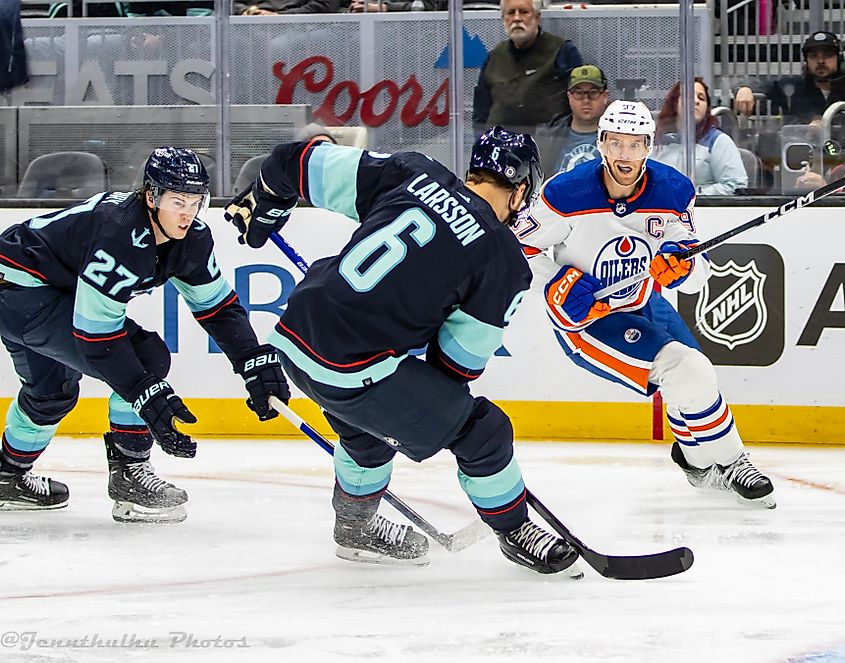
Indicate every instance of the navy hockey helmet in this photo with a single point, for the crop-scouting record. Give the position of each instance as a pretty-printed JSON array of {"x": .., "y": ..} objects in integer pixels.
[
  {"x": 513, "y": 156},
  {"x": 175, "y": 169}
]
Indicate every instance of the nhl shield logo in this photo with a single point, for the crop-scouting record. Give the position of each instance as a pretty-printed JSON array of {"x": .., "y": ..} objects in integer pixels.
[{"x": 731, "y": 310}]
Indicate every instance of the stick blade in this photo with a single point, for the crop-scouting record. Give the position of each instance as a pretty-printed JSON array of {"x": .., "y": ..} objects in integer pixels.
[
  {"x": 640, "y": 567},
  {"x": 463, "y": 538}
]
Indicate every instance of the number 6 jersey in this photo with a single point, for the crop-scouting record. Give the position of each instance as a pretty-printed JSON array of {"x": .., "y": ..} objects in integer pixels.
[{"x": 429, "y": 263}]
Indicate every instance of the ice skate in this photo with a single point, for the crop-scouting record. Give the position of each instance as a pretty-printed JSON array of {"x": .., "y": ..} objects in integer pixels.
[
  {"x": 698, "y": 477},
  {"x": 28, "y": 492},
  {"x": 543, "y": 552},
  {"x": 140, "y": 496},
  {"x": 751, "y": 485},
  {"x": 379, "y": 541}
]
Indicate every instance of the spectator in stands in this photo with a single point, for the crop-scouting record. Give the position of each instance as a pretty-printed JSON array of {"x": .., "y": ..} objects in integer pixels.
[
  {"x": 718, "y": 164},
  {"x": 357, "y": 6},
  {"x": 523, "y": 81},
  {"x": 13, "y": 69},
  {"x": 272, "y": 7},
  {"x": 803, "y": 98},
  {"x": 570, "y": 138},
  {"x": 189, "y": 8}
]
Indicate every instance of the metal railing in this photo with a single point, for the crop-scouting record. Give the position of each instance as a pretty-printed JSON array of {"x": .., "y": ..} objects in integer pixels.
[{"x": 759, "y": 38}]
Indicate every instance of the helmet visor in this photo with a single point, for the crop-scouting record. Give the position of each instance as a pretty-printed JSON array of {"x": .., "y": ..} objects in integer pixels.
[
  {"x": 194, "y": 204},
  {"x": 626, "y": 148}
]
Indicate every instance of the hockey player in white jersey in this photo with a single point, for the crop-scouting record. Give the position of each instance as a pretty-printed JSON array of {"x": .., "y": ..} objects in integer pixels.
[{"x": 609, "y": 219}]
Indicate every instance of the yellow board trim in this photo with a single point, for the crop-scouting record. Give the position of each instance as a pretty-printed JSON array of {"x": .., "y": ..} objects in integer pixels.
[{"x": 532, "y": 420}]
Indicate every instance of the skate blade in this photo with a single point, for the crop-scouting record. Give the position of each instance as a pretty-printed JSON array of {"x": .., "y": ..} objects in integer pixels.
[
  {"x": 371, "y": 557},
  {"x": 127, "y": 512},
  {"x": 765, "y": 502},
  {"x": 27, "y": 506}
]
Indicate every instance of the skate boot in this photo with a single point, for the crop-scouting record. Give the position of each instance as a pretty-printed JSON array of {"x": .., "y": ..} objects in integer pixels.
[
  {"x": 742, "y": 478},
  {"x": 140, "y": 496},
  {"x": 698, "y": 477},
  {"x": 543, "y": 552},
  {"x": 379, "y": 541},
  {"x": 23, "y": 491}
]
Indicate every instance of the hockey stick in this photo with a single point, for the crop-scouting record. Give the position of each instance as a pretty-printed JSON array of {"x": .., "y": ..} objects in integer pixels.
[
  {"x": 786, "y": 208},
  {"x": 633, "y": 567},
  {"x": 473, "y": 532}
]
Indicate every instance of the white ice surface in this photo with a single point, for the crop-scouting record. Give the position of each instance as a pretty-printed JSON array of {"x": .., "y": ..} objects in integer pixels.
[{"x": 254, "y": 564}]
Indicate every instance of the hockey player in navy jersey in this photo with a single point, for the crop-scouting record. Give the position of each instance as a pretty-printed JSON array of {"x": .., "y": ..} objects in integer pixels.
[
  {"x": 431, "y": 262},
  {"x": 67, "y": 278},
  {"x": 607, "y": 220}
]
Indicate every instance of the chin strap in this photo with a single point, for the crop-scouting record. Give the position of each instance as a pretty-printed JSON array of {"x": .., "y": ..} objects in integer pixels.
[
  {"x": 610, "y": 172},
  {"x": 154, "y": 216},
  {"x": 513, "y": 215}
]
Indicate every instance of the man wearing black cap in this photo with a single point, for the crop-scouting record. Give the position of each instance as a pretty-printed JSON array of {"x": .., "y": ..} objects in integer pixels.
[{"x": 804, "y": 98}]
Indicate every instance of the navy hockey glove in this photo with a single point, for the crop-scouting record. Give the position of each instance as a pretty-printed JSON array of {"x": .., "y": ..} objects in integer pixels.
[
  {"x": 667, "y": 269},
  {"x": 154, "y": 401},
  {"x": 573, "y": 292},
  {"x": 262, "y": 374},
  {"x": 257, "y": 213}
]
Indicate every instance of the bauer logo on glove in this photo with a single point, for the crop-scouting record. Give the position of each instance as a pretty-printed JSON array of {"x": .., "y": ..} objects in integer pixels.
[{"x": 257, "y": 203}]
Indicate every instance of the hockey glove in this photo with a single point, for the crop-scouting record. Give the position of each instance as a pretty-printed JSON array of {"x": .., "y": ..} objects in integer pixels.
[
  {"x": 573, "y": 292},
  {"x": 154, "y": 401},
  {"x": 257, "y": 213},
  {"x": 667, "y": 269},
  {"x": 262, "y": 374}
]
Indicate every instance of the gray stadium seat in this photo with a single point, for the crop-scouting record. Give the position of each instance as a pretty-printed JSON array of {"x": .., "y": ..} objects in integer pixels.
[
  {"x": 64, "y": 175},
  {"x": 753, "y": 166},
  {"x": 249, "y": 171}
]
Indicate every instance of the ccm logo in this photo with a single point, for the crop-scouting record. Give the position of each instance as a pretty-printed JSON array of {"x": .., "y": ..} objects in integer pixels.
[
  {"x": 261, "y": 360},
  {"x": 563, "y": 286},
  {"x": 149, "y": 392}
]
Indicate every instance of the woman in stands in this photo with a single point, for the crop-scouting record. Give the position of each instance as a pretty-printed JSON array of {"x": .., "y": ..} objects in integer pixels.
[{"x": 718, "y": 165}]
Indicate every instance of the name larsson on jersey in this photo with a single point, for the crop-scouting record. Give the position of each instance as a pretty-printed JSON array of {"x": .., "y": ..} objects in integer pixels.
[{"x": 442, "y": 203}]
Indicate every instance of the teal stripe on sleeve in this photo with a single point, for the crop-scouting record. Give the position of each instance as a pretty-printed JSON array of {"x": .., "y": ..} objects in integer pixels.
[
  {"x": 469, "y": 341},
  {"x": 333, "y": 178},
  {"x": 205, "y": 296},
  {"x": 94, "y": 312},
  {"x": 495, "y": 490},
  {"x": 23, "y": 434},
  {"x": 357, "y": 480}
]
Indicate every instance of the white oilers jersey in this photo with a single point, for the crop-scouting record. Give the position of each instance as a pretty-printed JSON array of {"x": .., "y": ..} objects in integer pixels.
[{"x": 610, "y": 239}]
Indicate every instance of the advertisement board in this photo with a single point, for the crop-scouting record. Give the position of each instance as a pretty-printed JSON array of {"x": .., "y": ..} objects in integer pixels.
[{"x": 772, "y": 319}]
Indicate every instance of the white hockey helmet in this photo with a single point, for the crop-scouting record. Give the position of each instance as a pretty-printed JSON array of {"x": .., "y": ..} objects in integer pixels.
[{"x": 627, "y": 117}]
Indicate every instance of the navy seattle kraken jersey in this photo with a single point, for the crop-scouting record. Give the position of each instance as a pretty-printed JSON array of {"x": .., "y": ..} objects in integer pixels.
[
  {"x": 104, "y": 253},
  {"x": 429, "y": 264}
]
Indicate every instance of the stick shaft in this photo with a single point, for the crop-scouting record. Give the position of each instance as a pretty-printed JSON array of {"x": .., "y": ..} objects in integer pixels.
[{"x": 786, "y": 208}]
